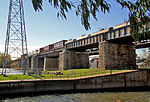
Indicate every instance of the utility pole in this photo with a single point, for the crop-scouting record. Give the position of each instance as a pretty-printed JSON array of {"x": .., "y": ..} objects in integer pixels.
[{"x": 16, "y": 42}]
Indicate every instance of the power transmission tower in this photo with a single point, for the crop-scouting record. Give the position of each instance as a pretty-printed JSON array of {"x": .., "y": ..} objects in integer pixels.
[{"x": 16, "y": 42}]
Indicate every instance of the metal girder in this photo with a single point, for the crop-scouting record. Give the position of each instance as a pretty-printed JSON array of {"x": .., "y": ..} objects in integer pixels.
[{"x": 16, "y": 41}]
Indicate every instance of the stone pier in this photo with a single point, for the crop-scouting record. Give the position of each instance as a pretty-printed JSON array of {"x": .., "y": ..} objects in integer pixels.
[
  {"x": 116, "y": 55},
  {"x": 37, "y": 63},
  {"x": 51, "y": 64},
  {"x": 34, "y": 61},
  {"x": 44, "y": 63},
  {"x": 71, "y": 60}
]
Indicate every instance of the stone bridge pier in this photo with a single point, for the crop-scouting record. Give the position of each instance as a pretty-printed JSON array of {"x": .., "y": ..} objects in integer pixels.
[
  {"x": 44, "y": 63},
  {"x": 37, "y": 63},
  {"x": 66, "y": 60},
  {"x": 116, "y": 55},
  {"x": 51, "y": 63},
  {"x": 71, "y": 60}
]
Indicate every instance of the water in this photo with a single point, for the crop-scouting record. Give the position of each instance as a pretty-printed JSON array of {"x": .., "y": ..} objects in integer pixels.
[
  {"x": 11, "y": 71},
  {"x": 85, "y": 97}
]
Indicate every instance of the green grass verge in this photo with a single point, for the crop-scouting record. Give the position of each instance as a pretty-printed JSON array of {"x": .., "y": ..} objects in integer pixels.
[
  {"x": 16, "y": 77},
  {"x": 144, "y": 68},
  {"x": 74, "y": 73}
]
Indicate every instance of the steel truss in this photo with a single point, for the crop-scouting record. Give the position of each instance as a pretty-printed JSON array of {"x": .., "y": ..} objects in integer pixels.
[{"x": 16, "y": 42}]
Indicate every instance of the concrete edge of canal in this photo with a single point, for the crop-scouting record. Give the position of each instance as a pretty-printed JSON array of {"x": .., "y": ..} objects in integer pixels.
[{"x": 127, "y": 81}]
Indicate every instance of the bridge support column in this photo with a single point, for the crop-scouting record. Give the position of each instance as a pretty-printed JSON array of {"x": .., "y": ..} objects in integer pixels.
[
  {"x": 37, "y": 63},
  {"x": 51, "y": 64},
  {"x": 40, "y": 64},
  {"x": 34, "y": 60},
  {"x": 117, "y": 55},
  {"x": 45, "y": 60},
  {"x": 72, "y": 60}
]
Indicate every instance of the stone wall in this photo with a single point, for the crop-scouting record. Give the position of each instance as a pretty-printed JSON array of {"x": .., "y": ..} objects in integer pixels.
[
  {"x": 118, "y": 55},
  {"x": 37, "y": 63},
  {"x": 40, "y": 63},
  {"x": 71, "y": 60},
  {"x": 34, "y": 61},
  {"x": 120, "y": 80},
  {"x": 51, "y": 64}
]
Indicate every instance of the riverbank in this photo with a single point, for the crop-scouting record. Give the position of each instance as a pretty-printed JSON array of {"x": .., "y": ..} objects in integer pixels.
[
  {"x": 66, "y": 74},
  {"x": 126, "y": 80},
  {"x": 11, "y": 71},
  {"x": 86, "y": 95}
]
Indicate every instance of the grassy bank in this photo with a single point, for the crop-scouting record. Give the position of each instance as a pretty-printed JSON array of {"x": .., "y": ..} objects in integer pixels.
[
  {"x": 74, "y": 73},
  {"x": 16, "y": 77},
  {"x": 144, "y": 68}
]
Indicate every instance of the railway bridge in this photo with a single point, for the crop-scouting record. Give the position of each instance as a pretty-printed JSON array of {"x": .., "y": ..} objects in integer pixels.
[{"x": 115, "y": 47}]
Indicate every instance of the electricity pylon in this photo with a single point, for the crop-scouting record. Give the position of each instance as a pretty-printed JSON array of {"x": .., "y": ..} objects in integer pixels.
[{"x": 16, "y": 42}]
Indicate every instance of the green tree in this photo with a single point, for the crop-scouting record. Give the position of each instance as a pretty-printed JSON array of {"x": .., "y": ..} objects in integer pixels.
[
  {"x": 138, "y": 15},
  {"x": 9, "y": 61},
  {"x": 1, "y": 60}
]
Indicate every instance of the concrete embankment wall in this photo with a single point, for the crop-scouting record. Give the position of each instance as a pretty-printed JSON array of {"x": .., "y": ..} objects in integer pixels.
[{"x": 122, "y": 80}]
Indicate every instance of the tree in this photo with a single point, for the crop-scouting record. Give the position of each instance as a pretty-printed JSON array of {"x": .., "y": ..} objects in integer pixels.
[
  {"x": 138, "y": 15},
  {"x": 9, "y": 61},
  {"x": 1, "y": 60}
]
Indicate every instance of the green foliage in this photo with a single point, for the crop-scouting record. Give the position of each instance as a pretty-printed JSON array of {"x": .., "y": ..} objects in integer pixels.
[
  {"x": 1, "y": 61},
  {"x": 37, "y": 4},
  {"x": 139, "y": 60},
  {"x": 138, "y": 15},
  {"x": 9, "y": 61},
  {"x": 16, "y": 77},
  {"x": 85, "y": 8},
  {"x": 74, "y": 73},
  {"x": 90, "y": 7},
  {"x": 77, "y": 73}
]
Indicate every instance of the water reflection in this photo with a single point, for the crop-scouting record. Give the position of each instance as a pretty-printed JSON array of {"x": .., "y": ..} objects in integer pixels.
[
  {"x": 85, "y": 97},
  {"x": 11, "y": 71}
]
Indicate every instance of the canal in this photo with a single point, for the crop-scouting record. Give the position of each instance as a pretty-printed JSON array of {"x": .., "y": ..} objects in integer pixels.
[
  {"x": 79, "y": 97},
  {"x": 86, "y": 97},
  {"x": 11, "y": 71}
]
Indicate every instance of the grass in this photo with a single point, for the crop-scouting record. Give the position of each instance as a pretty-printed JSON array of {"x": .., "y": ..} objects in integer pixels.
[
  {"x": 16, "y": 77},
  {"x": 74, "y": 73},
  {"x": 144, "y": 68}
]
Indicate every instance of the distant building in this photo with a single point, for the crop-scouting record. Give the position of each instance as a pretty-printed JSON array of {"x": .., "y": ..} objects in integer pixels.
[
  {"x": 94, "y": 62},
  {"x": 140, "y": 65}
]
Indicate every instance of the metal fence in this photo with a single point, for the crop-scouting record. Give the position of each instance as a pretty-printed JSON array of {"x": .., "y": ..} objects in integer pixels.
[{"x": 75, "y": 75}]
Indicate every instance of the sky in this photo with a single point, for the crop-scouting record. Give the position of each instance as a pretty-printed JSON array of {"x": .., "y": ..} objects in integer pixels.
[{"x": 44, "y": 28}]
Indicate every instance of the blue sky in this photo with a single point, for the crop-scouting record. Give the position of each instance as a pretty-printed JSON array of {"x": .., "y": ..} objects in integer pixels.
[{"x": 44, "y": 27}]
